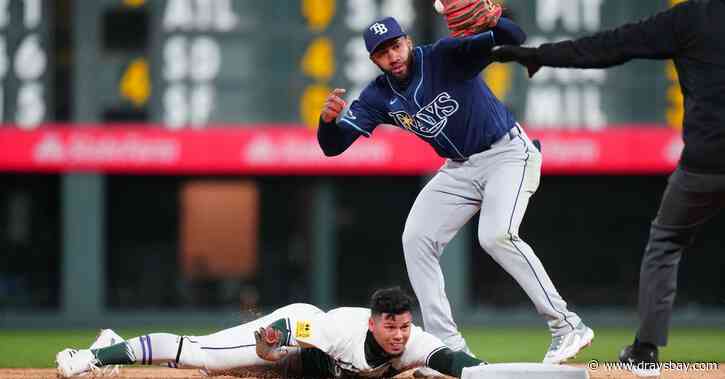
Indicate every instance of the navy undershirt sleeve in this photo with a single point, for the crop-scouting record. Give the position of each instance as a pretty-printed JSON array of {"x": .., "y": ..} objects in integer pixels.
[{"x": 334, "y": 139}]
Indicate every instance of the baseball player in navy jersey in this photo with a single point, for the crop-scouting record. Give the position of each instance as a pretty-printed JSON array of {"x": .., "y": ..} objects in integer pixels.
[
  {"x": 296, "y": 341},
  {"x": 435, "y": 91}
]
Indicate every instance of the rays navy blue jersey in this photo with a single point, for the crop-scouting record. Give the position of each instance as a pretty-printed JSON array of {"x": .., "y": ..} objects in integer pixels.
[{"x": 445, "y": 102}]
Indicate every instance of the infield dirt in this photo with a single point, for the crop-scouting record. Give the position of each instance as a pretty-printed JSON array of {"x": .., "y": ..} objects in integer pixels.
[{"x": 155, "y": 373}]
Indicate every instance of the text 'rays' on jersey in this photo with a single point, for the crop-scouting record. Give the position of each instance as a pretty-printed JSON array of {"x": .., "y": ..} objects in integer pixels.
[{"x": 430, "y": 120}]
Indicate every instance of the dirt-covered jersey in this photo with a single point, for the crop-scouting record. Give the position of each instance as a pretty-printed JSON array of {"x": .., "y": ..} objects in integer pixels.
[{"x": 341, "y": 334}]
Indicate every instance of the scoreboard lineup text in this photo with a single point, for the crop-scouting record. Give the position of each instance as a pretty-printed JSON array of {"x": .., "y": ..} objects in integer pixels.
[
  {"x": 206, "y": 63},
  {"x": 24, "y": 62}
]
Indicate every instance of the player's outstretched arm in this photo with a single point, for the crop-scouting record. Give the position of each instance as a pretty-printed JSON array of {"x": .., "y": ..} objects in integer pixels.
[
  {"x": 452, "y": 363},
  {"x": 333, "y": 139},
  {"x": 470, "y": 55},
  {"x": 507, "y": 32},
  {"x": 270, "y": 344},
  {"x": 478, "y": 46}
]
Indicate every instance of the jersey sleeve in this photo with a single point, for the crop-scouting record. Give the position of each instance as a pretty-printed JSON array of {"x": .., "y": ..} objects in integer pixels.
[
  {"x": 365, "y": 113},
  {"x": 465, "y": 57},
  {"x": 320, "y": 332},
  {"x": 470, "y": 55},
  {"x": 420, "y": 348},
  {"x": 334, "y": 139}
]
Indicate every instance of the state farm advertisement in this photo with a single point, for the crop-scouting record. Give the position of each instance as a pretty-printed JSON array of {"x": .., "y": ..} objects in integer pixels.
[{"x": 293, "y": 150}]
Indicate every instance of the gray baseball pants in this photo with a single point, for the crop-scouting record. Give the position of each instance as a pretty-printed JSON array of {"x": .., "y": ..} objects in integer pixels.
[
  {"x": 499, "y": 182},
  {"x": 690, "y": 199}
]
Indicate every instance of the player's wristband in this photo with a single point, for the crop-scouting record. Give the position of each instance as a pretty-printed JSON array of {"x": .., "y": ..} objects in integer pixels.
[
  {"x": 323, "y": 124},
  {"x": 333, "y": 139},
  {"x": 281, "y": 326},
  {"x": 449, "y": 362}
]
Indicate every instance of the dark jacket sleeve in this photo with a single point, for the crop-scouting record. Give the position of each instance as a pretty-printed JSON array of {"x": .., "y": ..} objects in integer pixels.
[
  {"x": 658, "y": 37},
  {"x": 333, "y": 139}
]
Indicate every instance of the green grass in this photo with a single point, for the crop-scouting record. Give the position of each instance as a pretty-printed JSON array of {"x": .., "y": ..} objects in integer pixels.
[
  {"x": 37, "y": 348},
  {"x": 529, "y": 345}
]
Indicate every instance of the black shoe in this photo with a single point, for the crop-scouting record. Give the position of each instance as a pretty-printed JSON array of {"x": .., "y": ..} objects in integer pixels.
[{"x": 641, "y": 358}]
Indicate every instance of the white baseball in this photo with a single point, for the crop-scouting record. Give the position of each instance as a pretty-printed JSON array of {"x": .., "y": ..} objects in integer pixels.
[{"x": 439, "y": 6}]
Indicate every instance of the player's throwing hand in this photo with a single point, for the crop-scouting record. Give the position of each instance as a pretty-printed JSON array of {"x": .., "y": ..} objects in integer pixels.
[{"x": 333, "y": 105}]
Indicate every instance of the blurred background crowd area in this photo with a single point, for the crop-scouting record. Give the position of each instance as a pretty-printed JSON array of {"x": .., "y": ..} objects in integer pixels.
[{"x": 122, "y": 187}]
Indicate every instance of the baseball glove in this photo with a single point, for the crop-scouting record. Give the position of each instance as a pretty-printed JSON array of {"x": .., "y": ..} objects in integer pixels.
[{"x": 469, "y": 17}]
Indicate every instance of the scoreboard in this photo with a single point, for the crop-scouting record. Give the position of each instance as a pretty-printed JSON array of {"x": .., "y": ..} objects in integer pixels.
[
  {"x": 209, "y": 63},
  {"x": 25, "y": 96},
  {"x": 242, "y": 61}
]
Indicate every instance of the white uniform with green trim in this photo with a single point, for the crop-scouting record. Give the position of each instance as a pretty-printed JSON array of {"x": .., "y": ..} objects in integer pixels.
[{"x": 341, "y": 334}]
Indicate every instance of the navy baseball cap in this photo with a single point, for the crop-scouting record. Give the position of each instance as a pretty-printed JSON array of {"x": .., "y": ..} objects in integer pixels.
[{"x": 381, "y": 31}]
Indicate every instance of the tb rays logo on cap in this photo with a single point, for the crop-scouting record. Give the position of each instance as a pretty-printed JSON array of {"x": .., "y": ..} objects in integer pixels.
[
  {"x": 378, "y": 28},
  {"x": 381, "y": 31}
]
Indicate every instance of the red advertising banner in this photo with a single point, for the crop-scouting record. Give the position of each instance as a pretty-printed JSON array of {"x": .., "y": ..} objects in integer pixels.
[{"x": 293, "y": 150}]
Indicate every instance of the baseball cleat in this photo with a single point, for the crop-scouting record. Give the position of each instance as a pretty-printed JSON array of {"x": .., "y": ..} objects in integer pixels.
[
  {"x": 72, "y": 362},
  {"x": 568, "y": 345},
  {"x": 641, "y": 359}
]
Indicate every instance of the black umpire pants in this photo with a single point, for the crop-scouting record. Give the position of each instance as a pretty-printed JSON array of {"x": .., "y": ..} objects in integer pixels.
[{"x": 689, "y": 200}]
